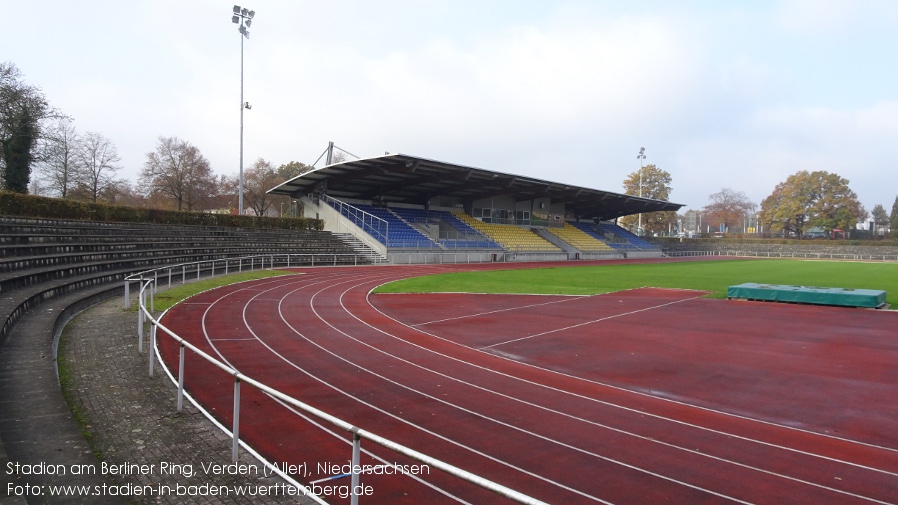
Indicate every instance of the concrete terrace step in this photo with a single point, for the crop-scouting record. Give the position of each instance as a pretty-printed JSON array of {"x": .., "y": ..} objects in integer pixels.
[
  {"x": 52, "y": 267},
  {"x": 68, "y": 256},
  {"x": 14, "y": 303},
  {"x": 61, "y": 227},
  {"x": 36, "y": 424},
  {"x": 138, "y": 235},
  {"x": 32, "y": 270},
  {"x": 71, "y": 253}
]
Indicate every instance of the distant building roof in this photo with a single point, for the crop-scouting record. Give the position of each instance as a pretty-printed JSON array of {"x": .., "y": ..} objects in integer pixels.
[{"x": 400, "y": 178}]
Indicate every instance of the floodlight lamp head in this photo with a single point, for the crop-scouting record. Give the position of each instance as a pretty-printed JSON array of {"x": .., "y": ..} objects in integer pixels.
[
  {"x": 236, "y": 9},
  {"x": 249, "y": 22},
  {"x": 235, "y": 19},
  {"x": 251, "y": 14},
  {"x": 247, "y": 105},
  {"x": 243, "y": 11},
  {"x": 641, "y": 151}
]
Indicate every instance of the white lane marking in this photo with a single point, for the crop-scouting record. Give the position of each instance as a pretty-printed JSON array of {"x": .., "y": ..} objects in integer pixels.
[
  {"x": 623, "y": 314},
  {"x": 478, "y": 414},
  {"x": 497, "y": 311},
  {"x": 296, "y": 412},
  {"x": 631, "y": 391},
  {"x": 318, "y": 315},
  {"x": 570, "y": 416}
]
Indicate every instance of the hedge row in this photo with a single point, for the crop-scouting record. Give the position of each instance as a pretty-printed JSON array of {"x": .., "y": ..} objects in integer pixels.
[{"x": 17, "y": 204}]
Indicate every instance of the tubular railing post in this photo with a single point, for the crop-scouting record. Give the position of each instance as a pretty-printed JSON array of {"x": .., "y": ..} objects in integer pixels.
[
  {"x": 153, "y": 297},
  {"x": 152, "y": 347},
  {"x": 140, "y": 306},
  {"x": 239, "y": 265},
  {"x": 235, "y": 431},
  {"x": 169, "y": 277},
  {"x": 183, "y": 274},
  {"x": 197, "y": 271},
  {"x": 181, "y": 379},
  {"x": 213, "y": 270},
  {"x": 127, "y": 294},
  {"x": 356, "y": 460},
  {"x": 147, "y": 289},
  {"x": 226, "y": 267}
]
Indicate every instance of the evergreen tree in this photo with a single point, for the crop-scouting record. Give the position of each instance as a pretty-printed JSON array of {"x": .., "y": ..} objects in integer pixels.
[
  {"x": 22, "y": 109},
  {"x": 17, "y": 153}
]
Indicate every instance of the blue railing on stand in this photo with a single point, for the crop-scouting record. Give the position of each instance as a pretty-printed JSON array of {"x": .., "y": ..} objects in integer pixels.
[{"x": 369, "y": 223}]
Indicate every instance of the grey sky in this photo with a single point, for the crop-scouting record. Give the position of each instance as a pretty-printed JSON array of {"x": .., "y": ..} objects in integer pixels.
[{"x": 721, "y": 94}]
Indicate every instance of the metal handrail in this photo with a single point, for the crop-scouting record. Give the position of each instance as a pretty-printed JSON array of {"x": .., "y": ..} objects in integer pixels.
[
  {"x": 145, "y": 315},
  {"x": 371, "y": 224},
  {"x": 786, "y": 254},
  {"x": 280, "y": 259}
]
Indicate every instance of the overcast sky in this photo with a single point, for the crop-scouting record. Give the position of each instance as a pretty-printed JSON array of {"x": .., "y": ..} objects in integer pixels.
[{"x": 721, "y": 94}]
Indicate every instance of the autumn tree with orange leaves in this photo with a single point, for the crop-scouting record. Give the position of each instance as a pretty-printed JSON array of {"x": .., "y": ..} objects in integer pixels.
[{"x": 808, "y": 199}]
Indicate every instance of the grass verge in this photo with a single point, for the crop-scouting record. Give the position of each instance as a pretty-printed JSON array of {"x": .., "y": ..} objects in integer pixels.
[
  {"x": 169, "y": 297},
  {"x": 714, "y": 276}
]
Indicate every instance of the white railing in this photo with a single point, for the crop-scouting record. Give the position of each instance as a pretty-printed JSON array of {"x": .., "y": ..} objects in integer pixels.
[
  {"x": 240, "y": 263},
  {"x": 145, "y": 316},
  {"x": 787, "y": 254}
]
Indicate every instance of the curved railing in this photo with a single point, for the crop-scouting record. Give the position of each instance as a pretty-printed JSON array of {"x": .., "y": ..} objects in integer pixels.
[
  {"x": 145, "y": 316},
  {"x": 786, "y": 254},
  {"x": 239, "y": 263}
]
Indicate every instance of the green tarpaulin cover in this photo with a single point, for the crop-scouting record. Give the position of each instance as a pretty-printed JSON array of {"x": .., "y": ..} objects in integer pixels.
[{"x": 809, "y": 294}]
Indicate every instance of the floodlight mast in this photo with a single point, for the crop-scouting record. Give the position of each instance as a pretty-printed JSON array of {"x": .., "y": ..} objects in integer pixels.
[
  {"x": 640, "y": 157},
  {"x": 243, "y": 17}
]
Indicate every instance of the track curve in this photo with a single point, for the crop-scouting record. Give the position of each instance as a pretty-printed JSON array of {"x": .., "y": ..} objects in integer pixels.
[{"x": 560, "y": 437}]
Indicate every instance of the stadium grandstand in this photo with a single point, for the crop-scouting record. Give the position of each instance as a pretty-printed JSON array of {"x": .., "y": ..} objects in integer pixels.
[{"x": 410, "y": 209}]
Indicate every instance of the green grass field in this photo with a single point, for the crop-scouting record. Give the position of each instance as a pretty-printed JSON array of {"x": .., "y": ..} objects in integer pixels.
[{"x": 712, "y": 276}]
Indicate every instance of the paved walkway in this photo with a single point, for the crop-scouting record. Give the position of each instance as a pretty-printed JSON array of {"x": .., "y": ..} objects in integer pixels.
[{"x": 144, "y": 445}]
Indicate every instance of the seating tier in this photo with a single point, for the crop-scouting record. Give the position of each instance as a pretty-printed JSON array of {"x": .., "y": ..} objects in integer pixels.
[{"x": 510, "y": 237}]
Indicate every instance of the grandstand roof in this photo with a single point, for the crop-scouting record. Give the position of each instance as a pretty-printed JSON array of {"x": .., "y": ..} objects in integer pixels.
[{"x": 400, "y": 178}]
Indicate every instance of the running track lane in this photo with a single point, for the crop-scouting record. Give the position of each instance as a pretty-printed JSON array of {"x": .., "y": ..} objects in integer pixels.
[{"x": 557, "y": 437}]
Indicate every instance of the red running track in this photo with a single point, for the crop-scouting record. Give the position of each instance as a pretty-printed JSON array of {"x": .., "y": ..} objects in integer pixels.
[{"x": 642, "y": 396}]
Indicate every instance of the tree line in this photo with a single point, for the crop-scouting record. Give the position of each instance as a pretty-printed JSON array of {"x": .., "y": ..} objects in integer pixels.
[
  {"x": 176, "y": 176},
  {"x": 805, "y": 201},
  {"x": 42, "y": 152}
]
